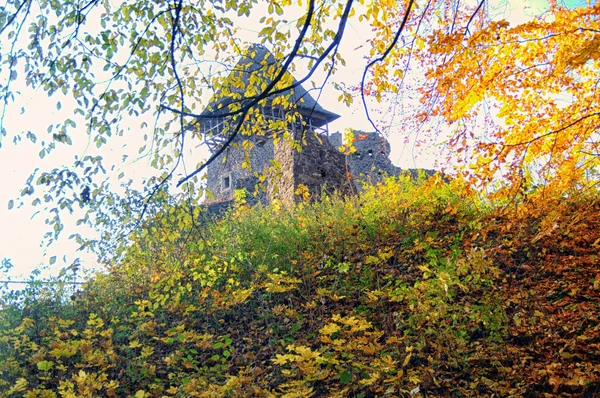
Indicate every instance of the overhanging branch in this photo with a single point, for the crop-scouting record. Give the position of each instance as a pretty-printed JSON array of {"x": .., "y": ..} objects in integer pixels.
[
  {"x": 381, "y": 58},
  {"x": 473, "y": 16},
  {"x": 269, "y": 91}
]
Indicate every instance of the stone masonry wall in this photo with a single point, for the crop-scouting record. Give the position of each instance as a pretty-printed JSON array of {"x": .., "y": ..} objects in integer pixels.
[
  {"x": 320, "y": 166},
  {"x": 317, "y": 166},
  {"x": 229, "y": 164},
  {"x": 371, "y": 162},
  {"x": 282, "y": 183}
]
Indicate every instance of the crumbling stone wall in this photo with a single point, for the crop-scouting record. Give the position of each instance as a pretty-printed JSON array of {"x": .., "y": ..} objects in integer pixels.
[
  {"x": 319, "y": 165},
  {"x": 371, "y": 162}
]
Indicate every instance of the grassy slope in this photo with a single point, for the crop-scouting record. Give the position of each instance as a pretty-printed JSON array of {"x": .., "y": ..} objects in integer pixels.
[{"x": 403, "y": 289}]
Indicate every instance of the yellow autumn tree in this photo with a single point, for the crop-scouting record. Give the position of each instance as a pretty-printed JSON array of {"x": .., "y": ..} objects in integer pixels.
[{"x": 521, "y": 100}]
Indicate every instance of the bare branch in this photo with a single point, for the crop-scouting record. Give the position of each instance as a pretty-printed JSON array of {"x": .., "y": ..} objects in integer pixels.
[
  {"x": 381, "y": 58},
  {"x": 473, "y": 16},
  {"x": 268, "y": 92}
]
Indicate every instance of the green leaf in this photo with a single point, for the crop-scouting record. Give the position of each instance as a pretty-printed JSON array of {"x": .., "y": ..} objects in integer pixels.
[
  {"x": 11, "y": 204},
  {"x": 52, "y": 260},
  {"x": 345, "y": 377},
  {"x": 45, "y": 366},
  {"x": 344, "y": 267}
]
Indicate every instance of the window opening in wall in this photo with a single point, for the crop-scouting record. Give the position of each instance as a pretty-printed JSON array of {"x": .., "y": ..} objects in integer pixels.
[
  {"x": 226, "y": 183},
  {"x": 261, "y": 142}
]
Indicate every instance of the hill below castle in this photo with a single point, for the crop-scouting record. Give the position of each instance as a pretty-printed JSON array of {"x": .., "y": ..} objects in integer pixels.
[{"x": 405, "y": 290}]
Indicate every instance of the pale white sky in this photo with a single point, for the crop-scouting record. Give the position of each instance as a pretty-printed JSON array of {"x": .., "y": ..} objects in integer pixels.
[{"x": 22, "y": 231}]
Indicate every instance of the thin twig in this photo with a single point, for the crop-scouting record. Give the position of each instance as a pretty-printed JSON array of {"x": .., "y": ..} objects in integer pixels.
[
  {"x": 14, "y": 16},
  {"x": 554, "y": 131},
  {"x": 473, "y": 16},
  {"x": 381, "y": 58},
  {"x": 174, "y": 31}
]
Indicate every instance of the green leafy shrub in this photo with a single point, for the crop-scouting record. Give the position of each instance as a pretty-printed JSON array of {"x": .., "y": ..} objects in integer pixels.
[{"x": 404, "y": 288}]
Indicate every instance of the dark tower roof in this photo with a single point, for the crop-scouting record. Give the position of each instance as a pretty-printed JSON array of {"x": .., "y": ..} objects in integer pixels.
[{"x": 259, "y": 65}]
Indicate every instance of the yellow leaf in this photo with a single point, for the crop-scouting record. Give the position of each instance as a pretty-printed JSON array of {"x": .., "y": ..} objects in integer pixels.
[
  {"x": 330, "y": 329},
  {"x": 517, "y": 320},
  {"x": 134, "y": 344},
  {"x": 283, "y": 359},
  {"x": 20, "y": 385}
]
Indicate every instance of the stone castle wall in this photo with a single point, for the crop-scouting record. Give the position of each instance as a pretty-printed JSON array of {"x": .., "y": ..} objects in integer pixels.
[
  {"x": 229, "y": 164},
  {"x": 371, "y": 162},
  {"x": 282, "y": 182},
  {"x": 319, "y": 166}
]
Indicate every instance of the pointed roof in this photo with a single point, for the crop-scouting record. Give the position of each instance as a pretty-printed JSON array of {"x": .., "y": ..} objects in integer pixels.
[{"x": 258, "y": 64}]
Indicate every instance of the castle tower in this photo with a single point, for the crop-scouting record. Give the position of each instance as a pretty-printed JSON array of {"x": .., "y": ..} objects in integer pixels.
[{"x": 284, "y": 139}]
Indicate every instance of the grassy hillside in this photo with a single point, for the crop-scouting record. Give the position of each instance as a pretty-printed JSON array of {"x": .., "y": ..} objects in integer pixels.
[{"x": 404, "y": 291}]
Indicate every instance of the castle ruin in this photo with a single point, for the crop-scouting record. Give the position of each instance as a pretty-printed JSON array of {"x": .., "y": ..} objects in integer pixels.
[{"x": 292, "y": 147}]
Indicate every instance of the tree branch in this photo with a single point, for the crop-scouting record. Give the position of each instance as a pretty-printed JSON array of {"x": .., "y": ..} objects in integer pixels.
[
  {"x": 122, "y": 67},
  {"x": 554, "y": 131},
  {"x": 12, "y": 64},
  {"x": 14, "y": 16},
  {"x": 473, "y": 16},
  {"x": 381, "y": 58},
  {"x": 174, "y": 34},
  {"x": 268, "y": 92}
]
